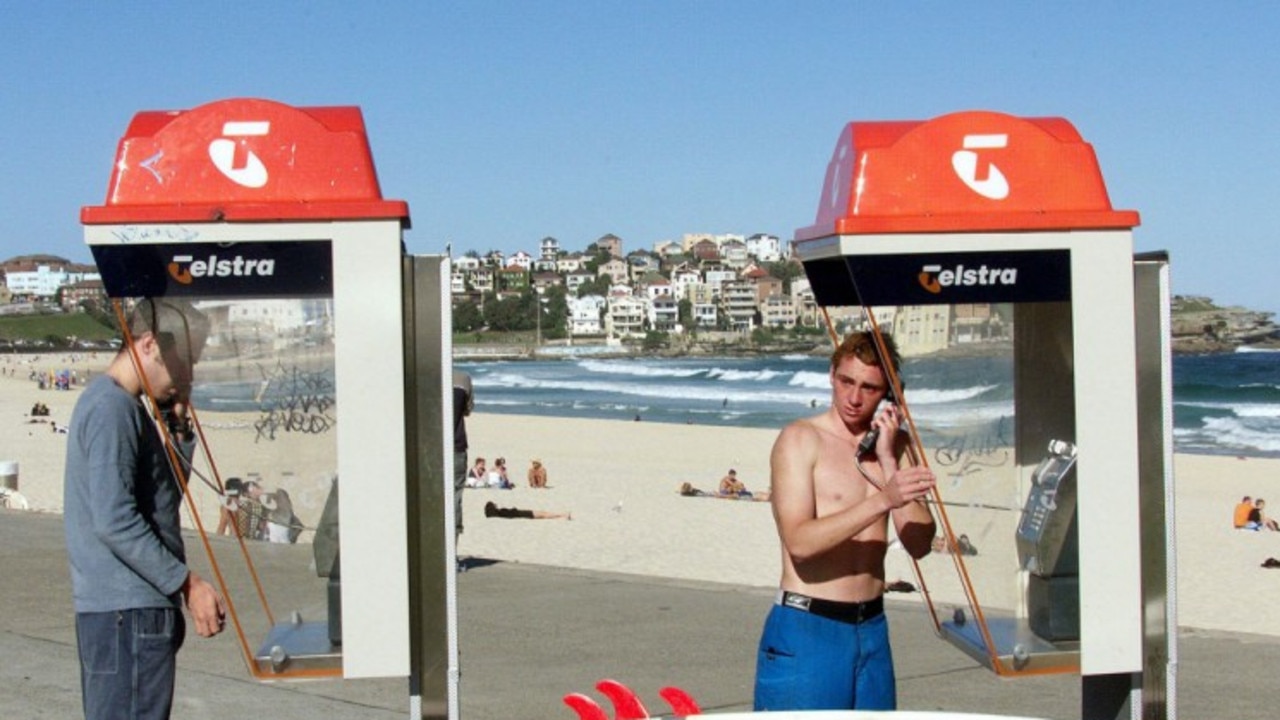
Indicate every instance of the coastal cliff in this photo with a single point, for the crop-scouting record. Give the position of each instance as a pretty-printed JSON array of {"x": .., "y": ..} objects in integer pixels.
[{"x": 1199, "y": 326}]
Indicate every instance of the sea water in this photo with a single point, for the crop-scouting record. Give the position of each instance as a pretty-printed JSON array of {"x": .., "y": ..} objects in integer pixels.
[{"x": 1226, "y": 404}]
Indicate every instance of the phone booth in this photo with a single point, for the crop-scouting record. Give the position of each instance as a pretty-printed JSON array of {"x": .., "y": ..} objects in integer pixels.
[
  {"x": 322, "y": 389},
  {"x": 986, "y": 245}
]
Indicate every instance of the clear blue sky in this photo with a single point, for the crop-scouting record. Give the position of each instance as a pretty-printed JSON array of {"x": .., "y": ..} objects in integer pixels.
[{"x": 504, "y": 122}]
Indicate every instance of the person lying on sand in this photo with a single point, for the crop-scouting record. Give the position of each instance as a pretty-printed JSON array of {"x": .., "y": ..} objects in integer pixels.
[
  {"x": 492, "y": 510},
  {"x": 688, "y": 490}
]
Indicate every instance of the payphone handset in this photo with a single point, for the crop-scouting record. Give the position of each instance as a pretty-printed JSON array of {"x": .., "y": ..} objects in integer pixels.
[
  {"x": 868, "y": 443},
  {"x": 1044, "y": 532}
]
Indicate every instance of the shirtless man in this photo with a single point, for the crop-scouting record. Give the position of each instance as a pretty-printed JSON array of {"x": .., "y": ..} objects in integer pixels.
[
  {"x": 825, "y": 643},
  {"x": 731, "y": 486}
]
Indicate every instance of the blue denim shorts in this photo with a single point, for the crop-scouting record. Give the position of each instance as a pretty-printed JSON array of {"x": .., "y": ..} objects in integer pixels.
[{"x": 810, "y": 662}]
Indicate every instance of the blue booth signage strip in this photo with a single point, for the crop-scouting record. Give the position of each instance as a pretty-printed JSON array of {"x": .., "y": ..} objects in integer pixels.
[
  {"x": 252, "y": 269},
  {"x": 942, "y": 278}
]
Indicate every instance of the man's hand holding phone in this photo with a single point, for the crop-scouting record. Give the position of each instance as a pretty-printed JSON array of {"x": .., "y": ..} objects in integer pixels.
[{"x": 885, "y": 420}]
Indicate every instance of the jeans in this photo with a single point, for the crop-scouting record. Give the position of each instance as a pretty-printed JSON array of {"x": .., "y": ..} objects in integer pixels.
[
  {"x": 459, "y": 482},
  {"x": 127, "y": 662}
]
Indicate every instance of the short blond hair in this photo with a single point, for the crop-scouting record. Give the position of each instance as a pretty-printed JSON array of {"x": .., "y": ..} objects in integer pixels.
[{"x": 862, "y": 345}]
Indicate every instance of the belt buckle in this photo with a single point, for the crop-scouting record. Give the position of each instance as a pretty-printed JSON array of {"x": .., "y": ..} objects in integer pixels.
[{"x": 798, "y": 602}]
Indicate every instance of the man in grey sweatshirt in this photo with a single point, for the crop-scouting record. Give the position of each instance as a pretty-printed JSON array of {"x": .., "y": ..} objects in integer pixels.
[{"x": 129, "y": 576}]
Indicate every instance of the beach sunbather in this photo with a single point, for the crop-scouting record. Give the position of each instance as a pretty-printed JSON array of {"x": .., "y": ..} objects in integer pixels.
[
  {"x": 537, "y": 475},
  {"x": 498, "y": 475},
  {"x": 478, "y": 475},
  {"x": 1240, "y": 517},
  {"x": 731, "y": 486},
  {"x": 491, "y": 509},
  {"x": 1258, "y": 519}
]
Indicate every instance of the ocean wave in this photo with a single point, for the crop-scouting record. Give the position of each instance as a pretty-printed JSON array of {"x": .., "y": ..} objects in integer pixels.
[
  {"x": 942, "y": 417},
  {"x": 743, "y": 375},
  {"x": 710, "y": 393},
  {"x": 930, "y": 396},
  {"x": 1257, "y": 410},
  {"x": 1242, "y": 435},
  {"x": 810, "y": 379},
  {"x": 503, "y": 402},
  {"x": 638, "y": 369},
  {"x": 922, "y": 396},
  {"x": 1244, "y": 392}
]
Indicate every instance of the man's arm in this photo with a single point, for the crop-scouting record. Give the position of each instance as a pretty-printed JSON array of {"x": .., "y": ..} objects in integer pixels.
[
  {"x": 111, "y": 449},
  {"x": 915, "y": 527},
  {"x": 804, "y": 535},
  {"x": 120, "y": 526},
  {"x": 905, "y": 488}
]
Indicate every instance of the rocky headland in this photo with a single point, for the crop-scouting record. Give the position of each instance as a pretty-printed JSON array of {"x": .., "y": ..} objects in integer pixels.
[{"x": 1199, "y": 326}]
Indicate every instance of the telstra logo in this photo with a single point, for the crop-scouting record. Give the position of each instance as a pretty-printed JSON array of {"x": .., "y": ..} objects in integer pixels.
[
  {"x": 933, "y": 278},
  {"x": 185, "y": 268}
]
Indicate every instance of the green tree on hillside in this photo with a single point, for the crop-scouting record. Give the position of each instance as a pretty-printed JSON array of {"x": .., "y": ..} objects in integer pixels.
[
  {"x": 555, "y": 312},
  {"x": 684, "y": 313},
  {"x": 467, "y": 316},
  {"x": 505, "y": 313},
  {"x": 599, "y": 285},
  {"x": 786, "y": 271}
]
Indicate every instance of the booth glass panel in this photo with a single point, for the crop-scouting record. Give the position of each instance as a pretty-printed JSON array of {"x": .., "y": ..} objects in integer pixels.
[
  {"x": 263, "y": 480},
  {"x": 989, "y": 391}
]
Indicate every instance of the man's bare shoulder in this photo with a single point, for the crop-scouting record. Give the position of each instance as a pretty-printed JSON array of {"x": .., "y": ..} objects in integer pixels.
[
  {"x": 805, "y": 432},
  {"x": 797, "y": 429}
]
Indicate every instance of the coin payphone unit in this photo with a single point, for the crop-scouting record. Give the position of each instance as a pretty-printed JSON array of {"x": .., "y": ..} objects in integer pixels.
[
  {"x": 988, "y": 243},
  {"x": 322, "y": 385}
]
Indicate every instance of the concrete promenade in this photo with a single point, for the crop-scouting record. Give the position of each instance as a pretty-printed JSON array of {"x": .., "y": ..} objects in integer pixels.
[{"x": 530, "y": 634}]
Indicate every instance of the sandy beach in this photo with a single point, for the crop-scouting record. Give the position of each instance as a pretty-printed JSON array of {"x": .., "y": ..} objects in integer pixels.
[{"x": 620, "y": 480}]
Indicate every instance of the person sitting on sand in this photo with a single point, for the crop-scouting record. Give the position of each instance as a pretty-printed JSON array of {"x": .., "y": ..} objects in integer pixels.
[
  {"x": 537, "y": 475},
  {"x": 478, "y": 475},
  {"x": 498, "y": 475},
  {"x": 1240, "y": 517},
  {"x": 1258, "y": 517},
  {"x": 492, "y": 510},
  {"x": 731, "y": 486}
]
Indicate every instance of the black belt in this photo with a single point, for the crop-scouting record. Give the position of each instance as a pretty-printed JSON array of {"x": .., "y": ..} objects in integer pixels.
[{"x": 846, "y": 612}]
